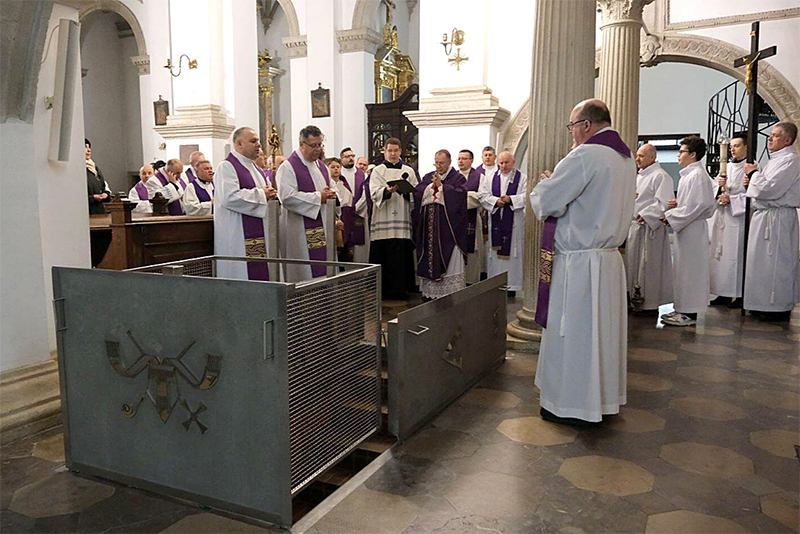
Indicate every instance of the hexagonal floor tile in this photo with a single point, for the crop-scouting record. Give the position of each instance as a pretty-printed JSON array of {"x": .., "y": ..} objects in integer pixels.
[
  {"x": 518, "y": 366},
  {"x": 651, "y": 355},
  {"x": 782, "y": 507},
  {"x": 211, "y": 524},
  {"x": 764, "y": 344},
  {"x": 702, "y": 373},
  {"x": 638, "y": 421},
  {"x": 713, "y": 409},
  {"x": 778, "y": 442},
  {"x": 771, "y": 366},
  {"x": 771, "y": 398},
  {"x": 62, "y": 493},
  {"x": 536, "y": 431},
  {"x": 490, "y": 398},
  {"x": 356, "y": 514},
  {"x": 607, "y": 475},
  {"x": 707, "y": 459},
  {"x": 715, "y": 331},
  {"x": 709, "y": 349},
  {"x": 51, "y": 449},
  {"x": 641, "y": 382},
  {"x": 684, "y": 522},
  {"x": 494, "y": 495}
]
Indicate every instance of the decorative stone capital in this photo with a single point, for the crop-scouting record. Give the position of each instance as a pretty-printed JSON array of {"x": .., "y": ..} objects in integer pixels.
[
  {"x": 359, "y": 40},
  {"x": 621, "y": 11},
  {"x": 297, "y": 46},
  {"x": 649, "y": 50},
  {"x": 459, "y": 106},
  {"x": 196, "y": 121},
  {"x": 142, "y": 63}
]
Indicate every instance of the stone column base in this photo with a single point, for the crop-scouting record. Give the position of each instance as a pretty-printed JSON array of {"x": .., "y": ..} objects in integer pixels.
[
  {"x": 523, "y": 333},
  {"x": 31, "y": 400}
]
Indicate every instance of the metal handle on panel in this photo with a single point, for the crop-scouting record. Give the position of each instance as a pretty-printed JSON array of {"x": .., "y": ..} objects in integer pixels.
[
  {"x": 503, "y": 288},
  {"x": 269, "y": 339},
  {"x": 422, "y": 328}
]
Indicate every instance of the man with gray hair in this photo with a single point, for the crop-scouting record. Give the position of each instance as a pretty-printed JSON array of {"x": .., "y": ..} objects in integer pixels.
[
  {"x": 306, "y": 195},
  {"x": 240, "y": 210},
  {"x": 194, "y": 159},
  {"x": 772, "y": 280}
]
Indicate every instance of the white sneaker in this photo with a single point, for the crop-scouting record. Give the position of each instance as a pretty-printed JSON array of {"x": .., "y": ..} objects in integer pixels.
[
  {"x": 678, "y": 319},
  {"x": 670, "y": 314}
]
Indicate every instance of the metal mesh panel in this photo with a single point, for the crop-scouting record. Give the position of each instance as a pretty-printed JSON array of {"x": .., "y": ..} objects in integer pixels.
[
  {"x": 334, "y": 377},
  {"x": 198, "y": 267}
]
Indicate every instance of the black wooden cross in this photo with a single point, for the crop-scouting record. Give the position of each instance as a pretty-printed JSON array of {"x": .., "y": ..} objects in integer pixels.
[{"x": 751, "y": 84}]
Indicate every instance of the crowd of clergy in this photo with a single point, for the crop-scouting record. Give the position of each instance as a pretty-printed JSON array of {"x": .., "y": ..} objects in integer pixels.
[{"x": 454, "y": 225}]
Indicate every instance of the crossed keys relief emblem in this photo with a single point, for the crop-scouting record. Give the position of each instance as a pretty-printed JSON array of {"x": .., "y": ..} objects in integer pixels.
[{"x": 163, "y": 387}]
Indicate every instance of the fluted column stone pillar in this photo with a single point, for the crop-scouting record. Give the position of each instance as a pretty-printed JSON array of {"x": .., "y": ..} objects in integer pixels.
[
  {"x": 619, "y": 64},
  {"x": 562, "y": 76}
]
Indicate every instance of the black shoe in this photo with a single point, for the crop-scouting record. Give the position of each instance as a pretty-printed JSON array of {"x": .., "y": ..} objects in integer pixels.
[
  {"x": 736, "y": 304},
  {"x": 571, "y": 421},
  {"x": 774, "y": 317},
  {"x": 720, "y": 301},
  {"x": 512, "y": 294}
]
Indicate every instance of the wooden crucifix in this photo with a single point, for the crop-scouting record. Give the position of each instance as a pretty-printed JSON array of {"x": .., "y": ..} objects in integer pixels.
[{"x": 751, "y": 84}]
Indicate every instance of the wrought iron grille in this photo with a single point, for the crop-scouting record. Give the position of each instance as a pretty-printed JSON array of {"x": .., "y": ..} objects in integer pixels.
[
  {"x": 727, "y": 115},
  {"x": 334, "y": 374}
]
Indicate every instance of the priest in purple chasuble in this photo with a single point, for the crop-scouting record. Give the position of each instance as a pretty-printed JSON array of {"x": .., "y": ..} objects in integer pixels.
[
  {"x": 169, "y": 182},
  {"x": 240, "y": 210},
  {"x": 440, "y": 229},
  {"x": 475, "y": 246},
  {"x": 199, "y": 196},
  {"x": 305, "y": 194},
  {"x": 139, "y": 193},
  {"x": 587, "y": 205},
  {"x": 355, "y": 179},
  {"x": 503, "y": 196}
]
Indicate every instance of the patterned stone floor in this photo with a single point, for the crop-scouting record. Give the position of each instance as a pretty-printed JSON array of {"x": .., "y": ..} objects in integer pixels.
[{"x": 707, "y": 443}]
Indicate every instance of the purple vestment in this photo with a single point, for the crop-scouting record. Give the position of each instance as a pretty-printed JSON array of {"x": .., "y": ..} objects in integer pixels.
[
  {"x": 173, "y": 207},
  {"x": 315, "y": 230},
  {"x": 357, "y": 233},
  {"x": 202, "y": 194},
  {"x": 255, "y": 244},
  {"x": 439, "y": 229},
  {"x": 141, "y": 190},
  {"x": 473, "y": 183},
  {"x": 503, "y": 218},
  {"x": 191, "y": 175}
]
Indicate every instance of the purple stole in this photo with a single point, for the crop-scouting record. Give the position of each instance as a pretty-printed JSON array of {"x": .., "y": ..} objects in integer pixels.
[
  {"x": 611, "y": 139},
  {"x": 315, "y": 230},
  {"x": 484, "y": 215},
  {"x": 141, "y": 190},
  {"x": 503, "y": 219},
  {"x": 255, "y": 244},
  {"x": 191, "y": 175},
  {"x": 202, "y": 194},
  {"x": 267, "y": 174},
  {"x": 439, "y": 229},
  {"x": 357, "y": 232},
  {"x": 174, "y": 207},
  {"x": 348, "y": 218},
  {"x": 473, "y": 183}
]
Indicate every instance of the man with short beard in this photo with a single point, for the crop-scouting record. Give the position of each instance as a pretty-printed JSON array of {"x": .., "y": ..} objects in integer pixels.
[{"x": 356, "y": 181}]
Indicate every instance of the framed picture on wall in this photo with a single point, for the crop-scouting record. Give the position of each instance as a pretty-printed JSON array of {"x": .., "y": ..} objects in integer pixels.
[
  {"x": 161, "y": 110},
  {"x": 320, "y": 102}
]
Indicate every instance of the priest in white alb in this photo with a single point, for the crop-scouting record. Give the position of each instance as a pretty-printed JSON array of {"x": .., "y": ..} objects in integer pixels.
[
  {"x": 503, "y": 196},
  {"x": 139, "y": 192},
  {"x": 199, "y": 196},
  {"x": 305, "y": 194},
  {"x": 647, "y": 254},
  {"x": 772, "y": 283},
  {"x": 240, "y": 214},
  {"x": 355, "y": 178},
  {"x": 586, "y": 205},
  {"x": 168, "y": 181}
]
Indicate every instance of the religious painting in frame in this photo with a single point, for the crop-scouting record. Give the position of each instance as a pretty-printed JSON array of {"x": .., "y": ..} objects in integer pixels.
[
  {"x": 320, "y": 102},
  {"x": 161, "y": 110}
]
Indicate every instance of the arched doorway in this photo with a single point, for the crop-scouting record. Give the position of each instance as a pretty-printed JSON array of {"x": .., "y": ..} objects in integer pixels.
[{"x": 111, "y": 98}]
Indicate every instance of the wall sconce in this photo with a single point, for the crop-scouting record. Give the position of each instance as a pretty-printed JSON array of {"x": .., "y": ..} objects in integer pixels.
[
  {"x": 457, "y": 38},
  {"x": 192, "y": 65}
]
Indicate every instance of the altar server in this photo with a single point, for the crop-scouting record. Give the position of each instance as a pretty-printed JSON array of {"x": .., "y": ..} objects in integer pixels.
[
  {"x": 138, "y": 192},
  {"x": 199, "y": 196}
]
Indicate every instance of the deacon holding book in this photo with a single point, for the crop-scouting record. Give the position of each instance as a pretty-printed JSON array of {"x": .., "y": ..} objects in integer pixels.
[
  {"x": 587, "y": 206},
  {"x": 240, "y": 200}
]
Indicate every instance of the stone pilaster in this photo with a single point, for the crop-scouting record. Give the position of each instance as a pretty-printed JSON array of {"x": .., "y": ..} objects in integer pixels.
[
  {"x": 562, "y": 76},
  {"x": 619, "y": 64}
]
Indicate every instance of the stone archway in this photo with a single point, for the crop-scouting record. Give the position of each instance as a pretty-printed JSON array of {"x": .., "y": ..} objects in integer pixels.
[
  {"x": 363, "y": 12},
  {"x": 142, "y": 59},
  {"x": 773, "y": 86},
  {"x": 291, "y": 17}
]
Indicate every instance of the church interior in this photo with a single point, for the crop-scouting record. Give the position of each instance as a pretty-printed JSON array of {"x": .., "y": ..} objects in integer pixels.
[{"x": 434, "y": 423}]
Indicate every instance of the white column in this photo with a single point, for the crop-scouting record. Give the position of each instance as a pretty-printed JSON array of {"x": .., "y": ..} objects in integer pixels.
[
  {"x": 357, "y": 48},
  {"x": 563, "y": 75},
  {"x": 619, "y": 64}
]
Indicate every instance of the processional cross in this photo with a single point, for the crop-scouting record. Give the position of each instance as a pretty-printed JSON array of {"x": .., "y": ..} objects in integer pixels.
[{"x": 751, "y": 84}]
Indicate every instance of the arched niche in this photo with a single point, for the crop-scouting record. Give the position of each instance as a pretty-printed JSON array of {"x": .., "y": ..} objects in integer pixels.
[
  {"x": 291, "y": 17},
  {"x": 142, "y": 59},
  {"x": 773, "y": 86}
]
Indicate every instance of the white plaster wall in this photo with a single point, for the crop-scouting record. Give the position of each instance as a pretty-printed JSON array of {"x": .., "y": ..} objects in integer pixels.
[
  {"x": 282, "y": 95},
  {"x": 155, "y": 21},
  {"x": 322, "y": 63},
  {"x": 453, "y": 139},
  {"x": 689, "y": 10},
  {"x": 358, "y": 83},
  {"x": 241, "y": 62},
  {"x": 111, "y": 94},
  {"x": 44, "y": 221}
]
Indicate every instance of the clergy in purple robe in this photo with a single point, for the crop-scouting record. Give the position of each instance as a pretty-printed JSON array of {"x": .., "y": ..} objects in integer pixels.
[
  {"x": 139, "y": 193},
  {"x": 199, "y": 196},
  {"x": 475, "y": 215},
  {"x": 194, "y": 160},
  {"x": 440, "y": 229},
  {"x": 169, "y": 182},
  {"x": 356, "y": 179}
]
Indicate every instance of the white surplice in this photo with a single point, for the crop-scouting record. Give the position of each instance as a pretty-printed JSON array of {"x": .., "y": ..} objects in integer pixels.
[
  {"x": 231, "y": 202},
  {"x": 773, "y": 275},
  {"x": 695, "y": 204},
  {"x": 360, "y": 252},
  {"x": 726, "y": 252},
  {"x": 647, "y": 254},
  {"x": 513, "y": 264},
  {"x": 173, "y": 191},
  {"x": 192, "y": 204},
  {"x": 475, "y": 260},
  {"x": 142, "y": 206},
  {"x": 296, "y": 205},
  {"x": 583, "y": 356}
]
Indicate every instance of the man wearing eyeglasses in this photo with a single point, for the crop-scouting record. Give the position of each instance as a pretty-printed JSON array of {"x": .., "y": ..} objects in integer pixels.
[
  {"x": 772, "y": 285},
  {"x": 687, "y": 216},
  {"x": 587, "y": 205},
  {"x": 305, "y": 193}
]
